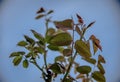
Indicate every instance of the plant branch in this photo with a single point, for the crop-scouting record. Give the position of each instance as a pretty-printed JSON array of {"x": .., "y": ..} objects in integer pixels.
[
  {"x": 43, "y": 73},
  {"x": 45, "y": 61},
  {"x": 45, "y": 54},
  {"x": 69, "y": 67},
  {"x": 35, "y": 63}
]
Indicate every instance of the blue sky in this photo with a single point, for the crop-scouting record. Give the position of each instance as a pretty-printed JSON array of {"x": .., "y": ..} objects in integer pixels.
[{"x": 17, "y": 17}]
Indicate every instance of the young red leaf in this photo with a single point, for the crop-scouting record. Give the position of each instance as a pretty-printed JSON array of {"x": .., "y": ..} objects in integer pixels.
[
  {"x": 80, "y": 20},
  {"x": 41, "y": 10},
  {"x": 77, "y": 29},
  {"x": 90, "y": 24},
  {"x": 96, "y": 42},
  {"x": 101, "y": 59}
]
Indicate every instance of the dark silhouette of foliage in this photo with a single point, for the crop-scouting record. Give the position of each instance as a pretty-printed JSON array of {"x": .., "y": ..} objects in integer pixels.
[{"x": 62, "y": 39}]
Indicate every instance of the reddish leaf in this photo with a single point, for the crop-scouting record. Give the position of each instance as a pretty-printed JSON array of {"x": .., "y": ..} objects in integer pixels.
[
  {"x": 101, "y": 68},
  {"x": 80, "y": 20},
  {"x": 96, "y": 41},
  {"x": 77, "y": 29},
  {"x": 95, "y": 48},
  {"x": 64, "y": 25},
  {"x": 101, "y": 59},
  {"x": 90, "y": 24},
  {"x": 41, "y": 10}
]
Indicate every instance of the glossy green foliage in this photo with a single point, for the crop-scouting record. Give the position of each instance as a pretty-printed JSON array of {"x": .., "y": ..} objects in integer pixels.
[
  {"x": 90, "y": 60},
  {"x": 98, "y": 76},
  {"x": 82, "y": 48},
  {"x": 56, "y": 68},
  {"x": 17, "y": 60},
  {"x": 25, "y": 63},
  {"x": 22, "y": 43},
  {"x": 84, "y": 69},
  {"x": 61, "y": 38},
  {"x": 38, "y": 36}
]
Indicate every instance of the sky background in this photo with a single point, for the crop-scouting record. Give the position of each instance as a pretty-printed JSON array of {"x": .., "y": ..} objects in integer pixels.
[{"x": 17, "y": 17}]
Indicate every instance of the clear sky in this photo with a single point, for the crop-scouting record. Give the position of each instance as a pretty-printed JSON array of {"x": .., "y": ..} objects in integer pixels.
[{"x": 17, "y": 17}]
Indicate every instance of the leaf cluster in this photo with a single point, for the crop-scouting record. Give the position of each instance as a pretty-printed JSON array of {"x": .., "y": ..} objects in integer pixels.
[{"x": 61, "y": 39}]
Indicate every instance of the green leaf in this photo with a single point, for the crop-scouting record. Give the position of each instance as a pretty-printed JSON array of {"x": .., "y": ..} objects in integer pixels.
[
  {"x": 84, "y": 69},
  {"x": 90, "y": 60},
  {"x": 101, "y": 59},
  {"x": 25, "y": 63},
  {"x": 22, "y": 43},
  {"x": 101, "y": 68},
  {"x": 56, "y": 68},
  {"x": 50, "y": 31},
  {"x": 98, "y": 76},
  {"x": 28, "y": 55},
  {"x": 47, "y": 38},
  {"x": 60, "y": 58},
  {"x": 38, "y": 36},
  {"x": 39, "y": 16},
  {"x": 82, "y": 48},
  {"x": 61, "y": 39},
  {"x": 13, "y": 54},
  {"x": 21, "y": 52},
  {"x": 28, "y": 39},
  {"x": 49, "y": 12},
  {"x": 37, "y": 49},
  {"x": 69, "y": 79},
  {"x": 67, "y": 52},
  {"x": 64, "y": 25},
  {"x": 17, "y": 60},
  {"x": 54, "y": 48}
]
